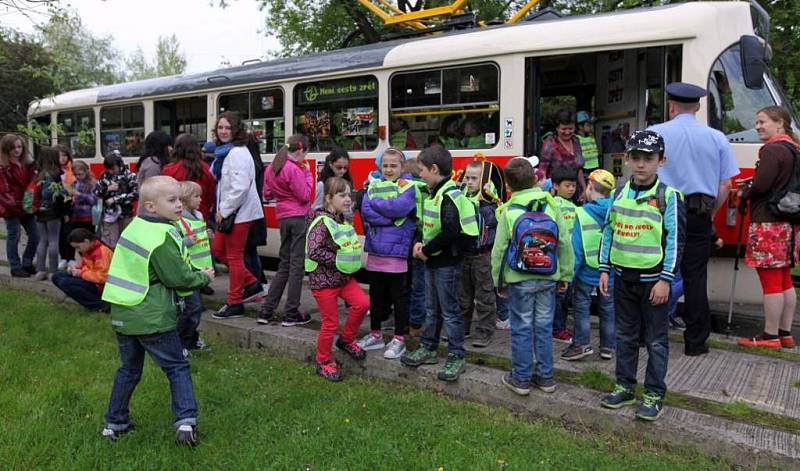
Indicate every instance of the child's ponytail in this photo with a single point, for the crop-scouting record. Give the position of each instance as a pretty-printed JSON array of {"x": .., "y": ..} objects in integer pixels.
[{"x": 296, "y": 142}]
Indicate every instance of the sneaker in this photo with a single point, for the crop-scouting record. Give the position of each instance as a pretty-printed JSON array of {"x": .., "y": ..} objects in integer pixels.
[
  {"x": 252, "y": 292},
  {"x": 523, "y": 388},
  {"x": 545, "y": 384},
  {"x": 563, "y": 335},
  {"x": 576, "y": 352},
  {"x": 20, "y": 273},
  {"x": 372, "y": 342},
  {"x": 453, "y": 368},
  {"x": 186, "y": 435},
  {"x": 300, "y": 319},
  {"x": 329, "y": 371},
  {"x": 787, "y": 341},
  {"x": 621, "y": 397},
  {"x": 185, "y": 353},
  {"x": 202, "y": 345},
  {"x": 651, "y": 407},
  {"x": 606, "y": 353},
  {"x": 676, "y": 323},
  {"x": 263, "y": 319},
  {"x": 30, "y": 269},
  {"x": 481, "y": 341},
  {"x": 62, "y": 265},
  {"x": 229, "y": 311},
  {"x": 40, "y": 276},
  {"x": 760, "y": 341},
  {"x": 502, "y": 325},
  {"x": 115, "y": 435},
  {"x": 420, "y": 356},
  {"x": 395, "y": 349},
  {"x": 351, "y": 348},
  {"x": 207, "y": 290}
]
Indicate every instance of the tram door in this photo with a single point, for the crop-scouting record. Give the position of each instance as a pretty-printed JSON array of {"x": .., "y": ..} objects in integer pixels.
[{"x": 183, "y": 115}]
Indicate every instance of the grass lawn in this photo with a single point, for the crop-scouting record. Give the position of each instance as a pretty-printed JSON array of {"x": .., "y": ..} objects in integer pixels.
[{"x": 258, "y": 411}]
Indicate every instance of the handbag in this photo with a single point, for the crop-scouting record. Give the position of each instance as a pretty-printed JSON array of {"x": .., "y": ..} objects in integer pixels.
[{"x": 226, "y": 225}]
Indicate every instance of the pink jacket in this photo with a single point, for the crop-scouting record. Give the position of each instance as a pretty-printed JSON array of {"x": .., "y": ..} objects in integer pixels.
[{"x": 291, "y": 188}]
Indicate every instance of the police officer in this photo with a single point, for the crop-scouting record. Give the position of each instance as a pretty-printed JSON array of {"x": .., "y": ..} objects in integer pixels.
[{"x": 700, "y": 164}]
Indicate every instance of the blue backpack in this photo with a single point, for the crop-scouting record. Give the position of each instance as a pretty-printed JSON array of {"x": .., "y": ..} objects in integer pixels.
[{"x": 533, "y": 247}]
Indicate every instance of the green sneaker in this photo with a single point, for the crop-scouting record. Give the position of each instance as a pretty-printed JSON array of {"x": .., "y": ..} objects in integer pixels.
[
  {"x": 651, "y": 407},
  {"x": 452, "y": 368},
  {"x": 420, "y": 356},
  {"x": 621, "y": 397}
]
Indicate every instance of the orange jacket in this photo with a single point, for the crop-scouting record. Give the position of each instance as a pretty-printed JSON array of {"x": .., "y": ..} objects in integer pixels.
[{"x": 94, "y": 264}]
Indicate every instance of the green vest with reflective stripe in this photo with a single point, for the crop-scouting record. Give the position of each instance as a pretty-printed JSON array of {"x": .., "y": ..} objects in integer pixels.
[
  {"x": 432, "y": 208},
  {"x": 567, "y": 212},
  {"x": 348, "y": 253},
  {"x": 450, "y": 142},
  {"x": 200, "y": 252},
  {"x": 399, "y": 139},
  {"x": 129, "y": 274},
  {"x": 591, "y": 237},
  {"x": 475, "y": 142},
  {"x": 638, "y": 229},
  {"x": 386, "y": 190},
  {"x": 589, "y": 151},
  {"x": 421, "y": 194}
]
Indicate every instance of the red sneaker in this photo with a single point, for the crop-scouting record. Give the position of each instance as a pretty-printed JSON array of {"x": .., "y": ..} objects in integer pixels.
[
  {"x": 787, "y": 341},
  {"x": 760, "y": 342},
  {"x": 329, "y": 371},
  {"x": 563, "y": 335}
]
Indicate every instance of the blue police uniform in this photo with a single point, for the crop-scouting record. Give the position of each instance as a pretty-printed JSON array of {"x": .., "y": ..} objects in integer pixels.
[{"x": 698, "y": 159}]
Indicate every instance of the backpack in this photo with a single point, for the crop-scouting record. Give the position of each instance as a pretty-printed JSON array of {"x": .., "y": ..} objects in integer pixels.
[
  {"x": 533, "y": 247},
  {"x": 785, "y": 202},
  {"x": 32, "y": 198}
]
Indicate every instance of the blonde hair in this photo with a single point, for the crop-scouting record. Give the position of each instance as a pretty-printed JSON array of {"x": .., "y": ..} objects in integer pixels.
[
  {"x": 81, "y": 165},
  {"x": 189, "y": 189},
  {"x": 153, "y": 188},
  {"x": 7, "y": 145}
]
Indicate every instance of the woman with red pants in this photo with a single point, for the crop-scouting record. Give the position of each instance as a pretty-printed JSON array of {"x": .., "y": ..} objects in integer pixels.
[
  {"x": 238, "y": 207},
  {"x": 771, "y": 245}
]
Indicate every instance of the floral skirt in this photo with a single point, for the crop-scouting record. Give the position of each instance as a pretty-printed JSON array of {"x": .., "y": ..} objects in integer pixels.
[{"x": 772, "y": 245}]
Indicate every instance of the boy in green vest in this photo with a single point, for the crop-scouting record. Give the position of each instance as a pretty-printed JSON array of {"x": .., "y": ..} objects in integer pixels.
[
  {"x": 565, "y": 183},
  {"x": 150, "y": 265},
  {"x": 530, "y": 296},
  {"x": 591, "y": 154},
  {"x": 449, "y": 227},
  {"x": 643, "y": 241}
]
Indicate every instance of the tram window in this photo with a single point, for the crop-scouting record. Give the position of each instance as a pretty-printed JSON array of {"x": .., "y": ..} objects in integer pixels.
[
  {"x": 182, "y": 115},
  {"x": 340, "y": 113},
  {"x": 456, "y": 106},
  {"x": 122, "y": 129},
  {"x": 42, "y": 122},
  {"x": 262, "y": 110},
  {"x": 732, "y": 107},
  {"x": 77, "y": 132}
]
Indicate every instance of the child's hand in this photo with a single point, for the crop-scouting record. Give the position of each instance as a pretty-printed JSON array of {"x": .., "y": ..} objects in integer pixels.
[
  {"x": 660, "y": 293},
  {"x": 503, "y": 293},
  {"x": 209, "y": 273},
  {"x": 417, "y": 250},
  {"x": 562, "y": 286},
  {"x": 74, "y": 271},
  {"x": 719, "y": 243},
  {"x": 603, "y": 285}
]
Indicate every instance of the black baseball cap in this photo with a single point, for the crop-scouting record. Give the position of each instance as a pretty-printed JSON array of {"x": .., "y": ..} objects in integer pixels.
[{"x": 645, "y": 141}]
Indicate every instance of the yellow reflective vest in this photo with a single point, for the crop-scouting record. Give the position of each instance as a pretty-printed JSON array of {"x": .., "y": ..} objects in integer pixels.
[
  {"x": 432, "y": 207},
  {"x": 348, "y": 252}
]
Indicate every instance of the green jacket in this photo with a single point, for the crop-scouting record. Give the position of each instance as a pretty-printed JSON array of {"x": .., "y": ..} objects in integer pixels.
[
  {"x": 566, "y": 257},
  {"x": 156, "y": 313}
]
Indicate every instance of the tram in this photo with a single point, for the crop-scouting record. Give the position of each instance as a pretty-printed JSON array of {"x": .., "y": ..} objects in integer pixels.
[{"x": 486, "y": 93}]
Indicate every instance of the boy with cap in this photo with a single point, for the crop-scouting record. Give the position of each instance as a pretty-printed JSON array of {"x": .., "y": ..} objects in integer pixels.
[
  {"x": 589, "y": 148},
  {"x": 586, "y": 237},
  {"x": 643, "y": 242}
]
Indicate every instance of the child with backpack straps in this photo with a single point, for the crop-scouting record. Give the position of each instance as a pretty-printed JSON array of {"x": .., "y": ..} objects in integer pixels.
[
  {"x": 531, "y": 258},
  {"x": 50, "y": 203}
]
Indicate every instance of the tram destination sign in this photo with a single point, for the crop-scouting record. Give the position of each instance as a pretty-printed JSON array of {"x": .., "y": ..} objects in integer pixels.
[{"x": 338, "y": 90}]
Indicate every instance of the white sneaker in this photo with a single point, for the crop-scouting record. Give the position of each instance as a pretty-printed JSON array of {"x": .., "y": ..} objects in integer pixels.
[
  {"x": 40, "y": 276},
  {"x": 62, "y": 265},
  {"x": 371, "y": 342},
  {"x": 502, "y": 325},
  {"x": 395, "y": 349}
]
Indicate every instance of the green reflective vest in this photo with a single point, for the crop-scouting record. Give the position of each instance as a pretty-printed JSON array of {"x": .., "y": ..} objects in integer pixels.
[
  {"x": 386, "y": 190},
  {"x": 421, "y": 194},
  {"x": 129, "y": 274},
  {"x": 399, "y": 139},
  {"x": 590, "y": 152},
  {"x": 567, "y": 212},
  {"x": 450, "y": 142},
  {"x": 475, "y": 142},
  {"x": 348, "y": 253},
  {"x": 591, "y": 237},
  {"x": 199, "y": 253},
  {"x": 432, "y": 208},
  {"x": 638, "y": 229}
]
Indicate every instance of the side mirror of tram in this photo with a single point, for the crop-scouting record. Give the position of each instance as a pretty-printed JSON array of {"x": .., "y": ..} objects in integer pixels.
[{"x": 754, "y": 61}]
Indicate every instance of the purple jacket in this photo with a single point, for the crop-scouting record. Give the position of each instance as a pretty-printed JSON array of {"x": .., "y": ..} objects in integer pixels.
[{"x": 383, "y": 237}]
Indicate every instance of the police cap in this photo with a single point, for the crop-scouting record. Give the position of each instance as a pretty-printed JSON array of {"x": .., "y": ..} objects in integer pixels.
[{"x": 685, "y": 92}]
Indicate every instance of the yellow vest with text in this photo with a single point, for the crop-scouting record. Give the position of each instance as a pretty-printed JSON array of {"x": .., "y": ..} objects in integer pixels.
[
  {"x": 591, "y": 237},
  {"x": 200, "y": 252},
  {"x": 348, "y": 252},
  {"x": 590, "y": 152},
  {"x": 567, "y": 212},
  {"x": 432, "y": 208}
]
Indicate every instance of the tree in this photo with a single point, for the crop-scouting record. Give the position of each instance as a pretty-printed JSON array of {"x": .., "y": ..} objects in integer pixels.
[
  {"x": 24, "y": 76},
  {"x": 168, "y": 60}
]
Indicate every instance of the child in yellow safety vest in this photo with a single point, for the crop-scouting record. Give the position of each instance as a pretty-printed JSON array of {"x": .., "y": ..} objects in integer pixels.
[
  {"x": 333, "y": 256},
  {"x": 196, "y": 239},
  {"x": 565, "y": 183},
  {"x": 642, "y": 242}
]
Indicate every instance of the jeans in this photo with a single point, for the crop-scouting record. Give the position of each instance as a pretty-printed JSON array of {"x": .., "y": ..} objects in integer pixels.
[
  {"x": 675, "y": 294},
  {"x": 291, "y": 268},
  {"x": 531, "y": 307},
  {"x": 190, "y": 309},
  {"x": 12, "y": 242},
  {"x": 165, "y": 350},
  {"x": 82, "y": 291},
  {"x": 327, "y": 298},
  {"x": 634, "y": 311},
  {"x": 560, "y": 309},
  {"x": 442, "y": 296},
  {"x": 229, "y": 249},
  {"x": 48, "y": 245},
  {"x": 605, "y": 309},
  {"x": 502, "y": 307},
  {"x": 477, "y": 294},
  {"x": 417, "y": 308}
]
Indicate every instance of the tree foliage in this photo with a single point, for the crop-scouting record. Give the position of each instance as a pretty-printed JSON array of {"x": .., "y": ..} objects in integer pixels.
[
  {"x": 168, "y": 60},
  {"x": 24, "y": 76}
]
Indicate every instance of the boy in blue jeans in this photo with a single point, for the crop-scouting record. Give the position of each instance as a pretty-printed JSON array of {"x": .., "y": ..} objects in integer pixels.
[
  {"x": 586, "y": 237},
  {"x": 530, "y": 296},
  {"x": 449, "y": 228},
  {"x": 148, "y": 268},
  {"x": 643, "y": 241}
]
